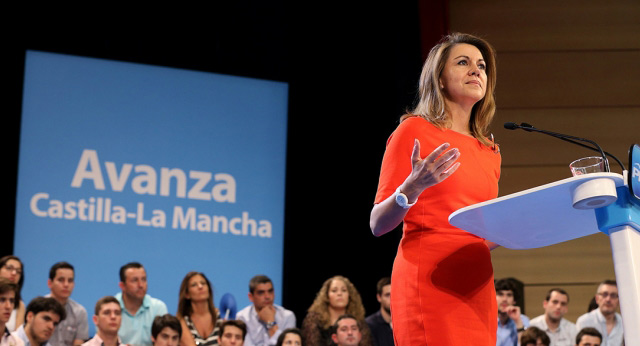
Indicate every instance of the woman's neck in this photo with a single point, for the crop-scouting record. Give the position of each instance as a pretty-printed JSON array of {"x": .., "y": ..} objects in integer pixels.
[
  {"x": 335, "y": 313},
  {"x": 460, "y": 117},
  {"x": 200, "y": 308}
]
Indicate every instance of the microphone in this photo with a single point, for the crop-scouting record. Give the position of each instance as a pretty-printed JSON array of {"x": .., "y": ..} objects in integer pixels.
[
  {"x": 567, "y": 138},
  {"x": 511, "y": 126}
]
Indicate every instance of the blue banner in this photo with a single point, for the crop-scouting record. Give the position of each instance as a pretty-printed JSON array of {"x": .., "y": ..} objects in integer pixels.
[{"x": 179, "y": 170}]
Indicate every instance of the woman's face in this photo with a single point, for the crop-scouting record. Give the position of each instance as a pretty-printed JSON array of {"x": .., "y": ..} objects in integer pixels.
[
  {"x": 464, "y": 77},
  {"x": 338, "y": 294},
  {"x": 12, "y": 270},
  {"x": 292, "y": 339},
  {"x": 197, "y": 289}
]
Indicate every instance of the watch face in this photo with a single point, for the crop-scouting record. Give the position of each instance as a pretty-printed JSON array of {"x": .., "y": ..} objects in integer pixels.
[{"x": 401, "y": 199}]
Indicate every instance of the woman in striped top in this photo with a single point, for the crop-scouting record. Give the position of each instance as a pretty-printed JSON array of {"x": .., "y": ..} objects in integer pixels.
[{"x": 196, "y": 312}]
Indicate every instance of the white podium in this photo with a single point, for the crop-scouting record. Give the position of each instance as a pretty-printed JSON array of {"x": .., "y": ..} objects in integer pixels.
[{"x": 546, "y": 215}]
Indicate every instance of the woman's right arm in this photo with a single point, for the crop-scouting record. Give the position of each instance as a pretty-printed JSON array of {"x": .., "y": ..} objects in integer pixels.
[{"x": 431, "y": 170}]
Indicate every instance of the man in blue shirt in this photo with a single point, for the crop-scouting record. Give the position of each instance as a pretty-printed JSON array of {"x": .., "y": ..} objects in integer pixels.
[
  {"x": 138, "y": 308},
  {"x": 511, "y": 323}
]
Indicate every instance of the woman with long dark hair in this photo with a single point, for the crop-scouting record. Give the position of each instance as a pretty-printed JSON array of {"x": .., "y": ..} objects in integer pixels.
[{"x": 196, "y": 312}]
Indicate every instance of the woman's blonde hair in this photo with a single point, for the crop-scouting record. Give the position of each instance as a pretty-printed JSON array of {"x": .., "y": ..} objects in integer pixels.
[
  {"x": 321, "y": 303},
  {"x": 431, "y": 102}
]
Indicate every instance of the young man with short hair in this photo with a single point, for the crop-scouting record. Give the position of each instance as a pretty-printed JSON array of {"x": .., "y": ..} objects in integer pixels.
[
  {"x": 588, "y": 337},
  {"x": 43, "y": 315},
  {"x": 74, "y": 330},
  {"x": 166, "y": 331},
  {"x": 265, "y": 320},
  {"x": 605, "y": 318},
  {"x": 232, "y": 333},
  {"x": 380, "y": 322},
  {"x": 8, "y": 291},
  {"x": 107, "y": 318},
  {"x": 511, "y": 323},
  {"x": 560, "y": 331},
  {"x": 346, "y": 331},
  {"x": 138, "y": 308}
]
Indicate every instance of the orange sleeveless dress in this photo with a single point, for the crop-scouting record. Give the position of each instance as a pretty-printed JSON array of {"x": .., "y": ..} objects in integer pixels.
[{"x": 442, "y": 290}]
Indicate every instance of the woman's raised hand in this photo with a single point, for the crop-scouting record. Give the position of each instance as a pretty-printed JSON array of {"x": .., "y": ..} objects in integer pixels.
[{"x": 431, "y": 170}]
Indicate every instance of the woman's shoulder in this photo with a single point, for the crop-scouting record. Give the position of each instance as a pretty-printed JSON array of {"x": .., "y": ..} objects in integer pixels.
[
  {"x": 312, "y": 316},
  {"x": 416, "y": 125}
]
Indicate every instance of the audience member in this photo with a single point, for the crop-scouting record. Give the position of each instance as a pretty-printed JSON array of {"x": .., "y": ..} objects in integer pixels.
[
  {"x": 138, "y": 308},
  {"x": 265, "y": 320},
  {"x": 592, "y": 304},
  {"x": 605, "y": 318},
  {"x": 380, "y": 322},
  {"x": 337, "y": 297},
  {"x": 232, "y": 333},
  {"x": 197, "y": 314},
  {"x": 11, "y": 268},
  {"x": 107, "y": 318},
  {"x": 556, "y": 305},
  {"x": 8, "y": 291},
  {"x": 511, "y": 323},
  {"x": 534, "y": 337},
  {"x": 589, "y": 337},
  {"x": 290, "y": 337},
  {"x": 346, "y": 331},
  {"x": 166, "y": 331},
  {"x": 43, "y": 315},
  {"x": 74, "y": 330}
]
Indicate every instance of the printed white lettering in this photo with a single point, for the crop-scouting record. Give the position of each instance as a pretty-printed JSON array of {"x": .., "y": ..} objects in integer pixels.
[
  {"x": 88, "y": 158},
  {"x": 165, "y": 181},
  {"x": 118, "y": 181},
  {"x": 145, "y": 181},
  {"x": 229, "y": 186},
  {"x": 196, "y": 191},
  {"x": 244, "y": 225}
]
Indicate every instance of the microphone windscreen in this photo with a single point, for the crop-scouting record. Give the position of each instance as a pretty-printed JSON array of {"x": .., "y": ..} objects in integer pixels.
[{"x": 510, "y": 126}]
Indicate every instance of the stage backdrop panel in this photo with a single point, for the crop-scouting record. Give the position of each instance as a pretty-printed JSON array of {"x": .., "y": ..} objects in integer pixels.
[{"x": 178, "y": 170}]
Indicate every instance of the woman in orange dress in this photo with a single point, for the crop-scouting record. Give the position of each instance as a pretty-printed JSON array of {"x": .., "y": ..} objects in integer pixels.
[{"x": 437, "y": 161}]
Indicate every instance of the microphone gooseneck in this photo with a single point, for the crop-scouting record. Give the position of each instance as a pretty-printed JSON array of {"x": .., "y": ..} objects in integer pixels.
[{"x": 567, "y": 138}]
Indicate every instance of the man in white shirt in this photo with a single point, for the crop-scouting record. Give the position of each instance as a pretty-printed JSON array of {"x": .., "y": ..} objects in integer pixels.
[
  {"x": 265, "y": 320},
  {"x": 560, "y": 331},
  {"x": 605, "y": 319}
]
